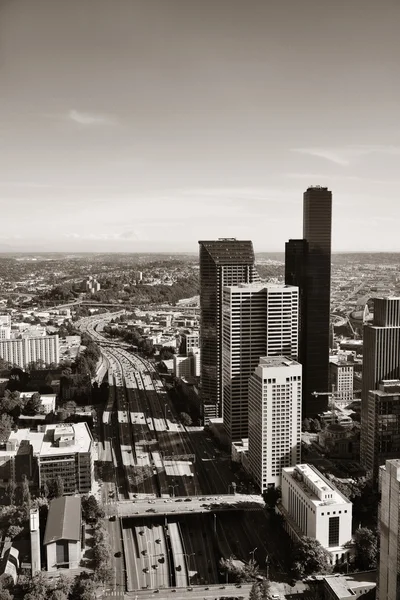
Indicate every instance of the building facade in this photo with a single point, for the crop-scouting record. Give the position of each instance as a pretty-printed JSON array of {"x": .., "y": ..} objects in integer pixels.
[
  {"x": 274, "y": 419},
  {"x": 21, "y": 352},
  {"x": 381, "y": 358},
  {"x": 258, "y": 320},
  {"x": 389, "y": 527},
  {"x": 65, "y": 451},
  {"x": 222, "y": 262},
  {"x": 341, "y": 375},
  {"x": 308, "y": 266},
  {"x": 313, "y": 507},
  {"x": 383, "y": 426},
  {"x": 62, "y": 537},
  {"x": 5, "y": 332}
]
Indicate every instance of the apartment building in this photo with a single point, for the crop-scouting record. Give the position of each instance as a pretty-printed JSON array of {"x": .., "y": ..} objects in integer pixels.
[
  {"x": 21, "y": 352},
  {"x": 274, "y": 419}
]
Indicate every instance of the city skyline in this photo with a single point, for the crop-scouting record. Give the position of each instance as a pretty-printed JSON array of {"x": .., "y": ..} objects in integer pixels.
[{"x": 137, "y": 126}]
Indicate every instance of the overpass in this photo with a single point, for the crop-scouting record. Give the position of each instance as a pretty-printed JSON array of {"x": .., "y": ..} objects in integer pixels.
[{"x": 184, "y": 505}]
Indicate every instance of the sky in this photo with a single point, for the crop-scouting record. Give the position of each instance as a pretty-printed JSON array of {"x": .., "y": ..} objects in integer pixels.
[{"x": 147, "y": 125}]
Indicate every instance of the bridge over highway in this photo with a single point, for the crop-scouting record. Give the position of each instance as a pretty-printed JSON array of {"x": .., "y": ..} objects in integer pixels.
[{"x": 150, "y": 507}]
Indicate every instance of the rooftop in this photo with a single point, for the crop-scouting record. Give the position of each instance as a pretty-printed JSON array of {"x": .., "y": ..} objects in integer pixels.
[
  {"x": 63, "y": 520},
  {"x": 43, "y": 441},
  {"x": 319, "y": 489},
  {"x": 277, "y": 361},
  {"x": 230, "y": 251},
  {"x": 242, "y": 287}
]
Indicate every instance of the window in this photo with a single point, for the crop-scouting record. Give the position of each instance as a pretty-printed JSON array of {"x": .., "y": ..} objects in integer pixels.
[{"x": 333, "y": 531}]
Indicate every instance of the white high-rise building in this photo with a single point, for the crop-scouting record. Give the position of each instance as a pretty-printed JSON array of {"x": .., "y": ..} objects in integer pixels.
[
  {"x": 258, "y": 320},
  {"x": 389, "y": 555},
  {"x": 274, "y": 419},
  {"x": 21, "y": 352}
]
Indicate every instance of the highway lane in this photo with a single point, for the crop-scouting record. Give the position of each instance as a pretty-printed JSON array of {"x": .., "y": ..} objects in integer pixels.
[{"x": 208, "y": 592}]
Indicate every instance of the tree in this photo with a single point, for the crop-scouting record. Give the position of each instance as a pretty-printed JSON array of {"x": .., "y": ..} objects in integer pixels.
[
  {"x": 6, "y": 425},
  {"x": 58, "y": 486},
  {"x": 309, "y": 557},
  {"x": 58, "y": 595},
  {"x": 366, "y": 549},
  {"x": 33, "y": 405},
  {"x": 5, "y": 594},
  {"x": 84, "y": 588},
  {"x": 271, "y": 496},
  {"x": 260, "y": 590},
  {"x": 306, "y": 425},
  {"x": 11, "y": 403},
  {"x": 91, "y": 511},
  {"x": 238, "y": 571},
  {"x": 11, "y": 488},
  {"x": 185, "y": 418},
  {"x": 104, "y": 573},
  {"x": 315, "y": 425},
  {"x": 14, "y": 530},
  {"x": 64, "y": 584}
]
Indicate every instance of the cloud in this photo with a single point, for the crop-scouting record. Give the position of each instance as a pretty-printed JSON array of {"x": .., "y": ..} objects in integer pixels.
[
  {"x": 344, "y": 155},
  {"x": 107, "y": 236},
  {"x": 91, "y": 118}
]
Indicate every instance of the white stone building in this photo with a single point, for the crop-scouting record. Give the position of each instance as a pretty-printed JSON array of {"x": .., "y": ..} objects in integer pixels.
[{"x": 313, "y": 507}]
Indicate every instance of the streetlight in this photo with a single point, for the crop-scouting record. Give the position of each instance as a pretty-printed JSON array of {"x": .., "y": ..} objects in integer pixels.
[
  {"x": 252, "y": 552},
  {"x": 187, "y": 563},
  {"x": 173, "y": 489},
  {"x": 267, "y": 565}
]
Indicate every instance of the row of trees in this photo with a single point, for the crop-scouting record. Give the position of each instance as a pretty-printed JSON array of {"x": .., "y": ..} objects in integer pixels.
[
  {"x": 131, "y": 336},
  {"x": 12, "y": 405},
  {"x": 309, "y": 557}
]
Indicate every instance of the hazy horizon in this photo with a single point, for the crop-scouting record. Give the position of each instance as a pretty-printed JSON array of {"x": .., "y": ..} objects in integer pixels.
[{"x": 151, "y": 124}]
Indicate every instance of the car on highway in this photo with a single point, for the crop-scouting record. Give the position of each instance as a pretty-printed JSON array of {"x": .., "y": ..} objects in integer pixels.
[{"x": 118, "y": 554}]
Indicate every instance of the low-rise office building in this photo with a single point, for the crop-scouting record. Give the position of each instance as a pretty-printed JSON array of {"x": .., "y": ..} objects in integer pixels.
[
  {"x": 62, "y": 538},
  {"x": 54, "y": 450},
  {"x": 313, "y": 507}
]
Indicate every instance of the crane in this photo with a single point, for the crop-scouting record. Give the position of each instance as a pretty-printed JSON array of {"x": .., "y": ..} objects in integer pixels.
[{"x": 334, "y": 395}]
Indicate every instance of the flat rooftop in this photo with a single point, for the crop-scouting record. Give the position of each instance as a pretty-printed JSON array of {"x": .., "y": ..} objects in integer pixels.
[
  {"x": 316, "y": 485},
  {"x": 277, "y": 361},
  {"x": 257, "y": 286},
  {"x": 43, "y": 441}
]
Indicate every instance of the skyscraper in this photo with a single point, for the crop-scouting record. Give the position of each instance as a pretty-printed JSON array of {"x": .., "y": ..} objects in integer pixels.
[
  {"x": 222, "y": 262},
  {"x": 381, "y": 360},
  {"x": 274, "y": 419},
  {"x": 383, "y": 426},
  {"x": 389, "y": 527},
  {"x": 308, "y": 265},
  {"x": 258, "y": 320}
]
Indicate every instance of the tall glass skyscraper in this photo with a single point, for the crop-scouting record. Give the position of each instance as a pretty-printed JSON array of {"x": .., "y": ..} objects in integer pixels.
[
  {"x": 222, "y": 262},
  {"x": 308, "y": 266}
]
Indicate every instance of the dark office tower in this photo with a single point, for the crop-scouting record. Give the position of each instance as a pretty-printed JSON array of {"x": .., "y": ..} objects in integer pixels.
[
  {"x": 381, "y": 362},
  {"x": 308, "y": 266},
  {"x": 295, "y": 274},
  {"x": 223, "y": 262}
]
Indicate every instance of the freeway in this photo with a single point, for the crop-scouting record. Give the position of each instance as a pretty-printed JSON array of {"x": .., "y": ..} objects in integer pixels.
[
  {"x": 201, "y": 592},
  {"x": 166, "y": 478},
  {"x": 146, "y": 506}
]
